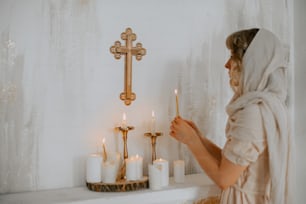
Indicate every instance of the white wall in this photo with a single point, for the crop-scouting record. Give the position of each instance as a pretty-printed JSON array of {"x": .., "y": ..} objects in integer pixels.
[
  {"x": 60, "y": 85},
  {"x": 300, "y": 95}
]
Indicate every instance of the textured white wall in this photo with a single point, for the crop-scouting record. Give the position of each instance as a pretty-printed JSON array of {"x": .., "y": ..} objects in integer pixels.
[
  {"x": 60, "y": 85},
  {"x": 300, "y": 95}
]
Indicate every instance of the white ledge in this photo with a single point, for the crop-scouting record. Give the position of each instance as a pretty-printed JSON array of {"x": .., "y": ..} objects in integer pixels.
[{"x": 195, "y": 186}]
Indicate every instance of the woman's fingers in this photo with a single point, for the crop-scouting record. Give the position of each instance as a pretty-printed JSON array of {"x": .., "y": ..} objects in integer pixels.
[
  {"x": 189, "y": 122},
  {"x": 179, "y": 128}
]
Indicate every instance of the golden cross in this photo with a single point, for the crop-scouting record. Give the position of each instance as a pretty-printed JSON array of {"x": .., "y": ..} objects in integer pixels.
[{"x": 128, "y": 50}]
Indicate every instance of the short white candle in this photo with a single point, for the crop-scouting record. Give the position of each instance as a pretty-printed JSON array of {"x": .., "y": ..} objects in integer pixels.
[
  {"x": 139, "y": 166},
  {"x": 164, "y": 170},
  {"x": 155, "y": 176},
  {"x": 134, "y": 168},
  {"x": 109, "y": 172},
  {"x": 93, "y": 168},
  {"x": 114, "y": 157},
  {"x": 111, "y": 167},
  {"x": 179, "y": 171},
  {"x": 131, "y": 169}
]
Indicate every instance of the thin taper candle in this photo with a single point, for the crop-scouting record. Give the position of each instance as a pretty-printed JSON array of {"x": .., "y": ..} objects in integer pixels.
[
  {"x": 124, "y": 126},
  {"x": 153, "y": 123},
  {"x": 177, "y": 103},
  {"x": 104, "y": 150}
]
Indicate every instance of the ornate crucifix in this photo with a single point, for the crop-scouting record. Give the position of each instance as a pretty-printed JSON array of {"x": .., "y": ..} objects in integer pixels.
[{"x": 128, "y": 50}]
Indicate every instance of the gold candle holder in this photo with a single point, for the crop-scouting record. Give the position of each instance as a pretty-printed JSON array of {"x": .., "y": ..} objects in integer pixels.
[
  {"x": 153, "y": 142},
  {"x": 124, "y": 131}
]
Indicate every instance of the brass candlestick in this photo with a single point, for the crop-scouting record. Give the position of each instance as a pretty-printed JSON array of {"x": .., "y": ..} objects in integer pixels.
[
  {"x": 124, "y": 131},
  {"x": 153, "y": 142}
]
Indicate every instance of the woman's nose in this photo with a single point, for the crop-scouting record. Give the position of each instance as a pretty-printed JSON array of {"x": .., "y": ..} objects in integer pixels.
[{"x": 228, "y": 64}]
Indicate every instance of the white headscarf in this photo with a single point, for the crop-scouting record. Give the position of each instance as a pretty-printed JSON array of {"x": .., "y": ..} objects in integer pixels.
[{"x": 264, "y": 80}]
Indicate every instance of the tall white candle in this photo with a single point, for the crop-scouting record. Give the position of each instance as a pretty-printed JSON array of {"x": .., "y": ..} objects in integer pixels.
[
  {"x": 153, "y": 123},
  {"x": 93, "y": 168},
  {"x": 179, "y": 171},
  {"x": 164, "y": 164},
  {"x": 155, "y": 176}
]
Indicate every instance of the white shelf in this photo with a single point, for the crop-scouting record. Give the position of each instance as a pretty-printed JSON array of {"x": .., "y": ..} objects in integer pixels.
[{"x": 196, "y": 186}]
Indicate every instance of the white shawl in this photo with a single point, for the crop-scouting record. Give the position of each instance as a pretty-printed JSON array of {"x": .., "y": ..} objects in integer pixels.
[{"x": 264, "y": 79}]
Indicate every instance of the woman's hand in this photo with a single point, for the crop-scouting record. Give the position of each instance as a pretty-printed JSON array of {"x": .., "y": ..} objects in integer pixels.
[
  {"x": 193, "y": 125},
  {"x": 183, "y": 131}
]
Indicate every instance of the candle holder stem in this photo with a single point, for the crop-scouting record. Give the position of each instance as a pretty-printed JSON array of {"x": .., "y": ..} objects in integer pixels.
[
  {"x": 125, "y": 149},
  {"x": 124, "y": 131},
  {"x": 153, "y": 142}
]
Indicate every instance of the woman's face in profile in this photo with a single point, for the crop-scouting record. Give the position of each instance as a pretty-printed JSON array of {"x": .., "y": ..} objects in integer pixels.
[{"x": 233, "y": 71}]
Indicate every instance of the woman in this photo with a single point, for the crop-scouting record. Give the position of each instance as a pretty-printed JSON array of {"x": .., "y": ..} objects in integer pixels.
[{"x": 255, "y": 165}]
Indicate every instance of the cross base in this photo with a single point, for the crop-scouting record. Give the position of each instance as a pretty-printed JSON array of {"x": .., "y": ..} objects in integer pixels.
[{"x": 127, "y": 99}]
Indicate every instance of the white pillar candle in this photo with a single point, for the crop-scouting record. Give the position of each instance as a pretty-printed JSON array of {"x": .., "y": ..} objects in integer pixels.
[
  {"x": 109, "y": 172},
  {"x": 164, "y": 170},
  {"x": 114, "y": 157},
  {"x": 155, "y": 176},
  {"x": 111, "y": 167},
  {"x": 139, "y": 167},
  {"x": 134, "y": 168},
  {"x": 131, "y": 169},
  {"x": 93, "y": 168},
  {"x": 179, "y": 171}
]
